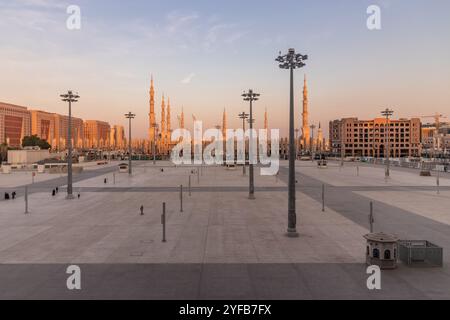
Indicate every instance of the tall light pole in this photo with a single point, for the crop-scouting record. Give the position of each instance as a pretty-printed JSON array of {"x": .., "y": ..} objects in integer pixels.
[
  {"x": 387, "y": 140},
  {"x": 296, "y": 142},
  {"x": 244, "y": 116},
  {"x": 69, "y": 97},
  {"x": 251, "y": 96},
  {"x": 129, "y": 116},
  {"x": 313, "y": 127},
  {"x": 155, "y": 130},
  {"x": 291, "y": 61}
]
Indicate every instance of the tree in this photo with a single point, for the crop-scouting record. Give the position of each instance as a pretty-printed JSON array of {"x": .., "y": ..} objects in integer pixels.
[{"x": 35, "y": 141}]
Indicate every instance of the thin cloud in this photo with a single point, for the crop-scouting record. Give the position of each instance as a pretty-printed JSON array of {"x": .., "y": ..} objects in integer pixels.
[{"x": 188, "y": 79}]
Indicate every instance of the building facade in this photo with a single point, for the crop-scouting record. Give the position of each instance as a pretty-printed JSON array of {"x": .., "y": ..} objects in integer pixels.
[
  {"x": 368, "y": 138},
  {"x": 97, "y": 134},
  {"x": 15, "y": 124},
  {"x": 118, "y": 140},
  {"x": 43, "y": 126},
  {"x": 61, "y": 136}
]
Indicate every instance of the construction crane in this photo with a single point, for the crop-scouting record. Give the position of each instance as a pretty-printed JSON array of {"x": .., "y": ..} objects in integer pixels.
[{"x": 437, "y": 119}]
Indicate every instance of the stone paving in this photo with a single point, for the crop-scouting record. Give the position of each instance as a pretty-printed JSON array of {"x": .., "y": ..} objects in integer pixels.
[{"x": 222, "y": 228}]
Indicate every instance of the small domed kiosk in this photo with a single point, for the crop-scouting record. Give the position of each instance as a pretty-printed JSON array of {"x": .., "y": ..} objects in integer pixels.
[{"x": 382, "y": 250}]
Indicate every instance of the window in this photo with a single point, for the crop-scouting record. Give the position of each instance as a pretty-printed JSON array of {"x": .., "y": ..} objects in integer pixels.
[
  {"x": 387, "y": 255},
  {"x": 376, "y": 253}
]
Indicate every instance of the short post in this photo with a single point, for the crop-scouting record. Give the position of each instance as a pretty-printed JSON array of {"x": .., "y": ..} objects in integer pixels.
[
  {"x": 438, "y": 183},
  {"x": 26, "y": 200},
  {"x": 114, "y": 178},
  {"x": 357, "y": 170},
  {"x": 198, "y": 175},
  {"x": 190, "y": 193},
  {"x": 323, "y": 197},
  {"x": 371, "y": 217},
  {"x": 181, "y": 198},
  {"x": 163, "y": 222}
]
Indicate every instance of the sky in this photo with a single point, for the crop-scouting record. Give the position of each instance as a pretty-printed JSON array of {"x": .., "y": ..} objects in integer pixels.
[{"x": 203, "y": 54}]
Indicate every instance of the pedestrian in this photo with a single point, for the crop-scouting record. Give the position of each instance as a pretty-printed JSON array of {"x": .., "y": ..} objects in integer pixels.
[
  {"x": 54, "y": 192},
  {"x": 142, "y": 210},
  {"x": 6, "y": 196},
  {"x": 14, "y": 195},
  {"x": 105, "y": 181},
  {"x": 57, "y": 190},
  {"x": 79, "y": 195}
]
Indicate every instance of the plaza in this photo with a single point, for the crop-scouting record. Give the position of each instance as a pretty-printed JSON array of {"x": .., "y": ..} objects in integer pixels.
[{"x": 223, "y": 243}]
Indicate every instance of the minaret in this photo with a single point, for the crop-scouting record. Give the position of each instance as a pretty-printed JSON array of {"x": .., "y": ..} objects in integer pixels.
[
  {"x": 152, "y": 118},
  {"x": 266, "y": 120},
  {"x": 182, "y": 118},
  {"x": 169, "y": 125},
  {"x": 224, "y": 124},
  {"x": 306, "y": 130},
  {"x": 163, "y": 126}
]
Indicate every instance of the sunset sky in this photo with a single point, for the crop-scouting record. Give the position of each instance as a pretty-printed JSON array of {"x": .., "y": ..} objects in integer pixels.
[{"x": 203, "y": 54}]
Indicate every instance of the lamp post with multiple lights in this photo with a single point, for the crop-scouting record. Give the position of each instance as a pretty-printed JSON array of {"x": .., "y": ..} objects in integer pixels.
[
  {"x": 69, "y": 97},
  {"x": 155, "y": 130},
  {"x": 251, "y": 96},
  {"x": 244, "y": 116},
  {"x": 387, "y": 140},
  {"x": 312, "y": 127},
  {"x": 129, "y": 116},
  {"x": 291, "y": 61}
]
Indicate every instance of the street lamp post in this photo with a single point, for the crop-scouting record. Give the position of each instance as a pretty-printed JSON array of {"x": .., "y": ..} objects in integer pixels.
[
  {"x": 387, "y": 113},
  {"x": 155, "y": 130},
  {"x": 251, "y": 96},
  {"x": 296, "y": 143},
  {"x": 244, "y": 116},
  {"x": 291, "y": 61},
  {"x": 129, "y": 116},
  {"x": 69, "y": 97},
  {"x": 313, "y": 127}
]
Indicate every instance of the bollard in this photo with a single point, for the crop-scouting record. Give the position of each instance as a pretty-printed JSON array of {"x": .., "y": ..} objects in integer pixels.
[
  {"x": 181, "y": 198},
  {"x": 163, "y": 222},
  {"x": 198, "y": 175},
  {"x": 26, "y": 200},
  {"x": 357, "y": 171},
  {"x": 190, "y": 192},
  {"x": 371, "y": 217},
  {"x": 114, "y": 178},
  {"x": 323, "y": 197},
  {"x": 438, "y": 183}
]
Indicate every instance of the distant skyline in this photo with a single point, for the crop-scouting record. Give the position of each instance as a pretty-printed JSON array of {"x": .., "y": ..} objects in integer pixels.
[{"x": 204, "y": 54}]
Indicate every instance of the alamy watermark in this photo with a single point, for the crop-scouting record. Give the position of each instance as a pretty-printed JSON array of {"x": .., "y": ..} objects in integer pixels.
[
  {"x": 228, "y": 147},
  {"x": 73, "y": 22}
]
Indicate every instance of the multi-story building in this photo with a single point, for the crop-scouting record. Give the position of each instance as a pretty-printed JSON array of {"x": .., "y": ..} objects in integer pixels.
[
  {"x": 15, "y": 124},
  {"x": 436, "y": 139},
  {"x": 117, "y": 139},
  {"x": 369, "y": 138},
  {"x": 43, "y": 126},
  {"x": 54, "y": 128},
  {"x": 62, "y": 132},
  {"x": 97, "y": 134}
]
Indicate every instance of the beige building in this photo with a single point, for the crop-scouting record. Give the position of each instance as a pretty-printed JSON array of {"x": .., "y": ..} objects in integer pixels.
[
  {"x": 43, "y": 125},
  {"x": 368, "y": 137},
  {"x": 15, "y": 124},
  {"x": 117, "y": 139},
  {"x": 60, "y": 139},
  {"x": 97, "y": 134}
]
